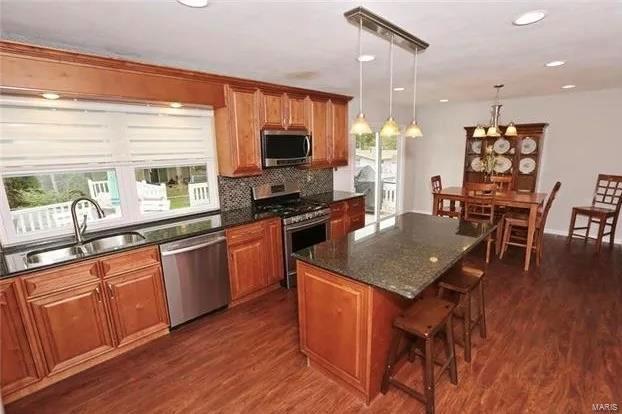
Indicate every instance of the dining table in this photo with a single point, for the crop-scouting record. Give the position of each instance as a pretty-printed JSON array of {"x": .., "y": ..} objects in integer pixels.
[{"x": 530, "y": 201}]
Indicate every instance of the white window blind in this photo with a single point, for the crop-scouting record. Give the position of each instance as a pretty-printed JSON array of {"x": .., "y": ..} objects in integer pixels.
[{"x": 39, "y": 133}]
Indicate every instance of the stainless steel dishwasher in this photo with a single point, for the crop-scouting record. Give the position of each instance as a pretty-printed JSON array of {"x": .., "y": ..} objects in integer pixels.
[{"x": 196, "y": 276}]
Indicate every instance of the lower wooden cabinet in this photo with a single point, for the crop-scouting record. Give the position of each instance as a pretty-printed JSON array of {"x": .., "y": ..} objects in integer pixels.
[
  {"x": 137, "y": 304},
  {"x": 346, "y": 216},
  {"x": 18, "y": 365},
  {"x": 276, "y": 267},
  {"x": 72, "y": 325}
]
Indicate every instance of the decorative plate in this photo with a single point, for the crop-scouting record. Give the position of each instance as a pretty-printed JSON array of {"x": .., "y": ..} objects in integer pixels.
[
  {"x": 501, "y": 146},
  {"x": 476, "y": 164},
  {"x": 476, "y": 146},
  {"x": 527, "y": 165},
  {"x": 502, "y": 164},
  {"x": 528, "y": 145}
]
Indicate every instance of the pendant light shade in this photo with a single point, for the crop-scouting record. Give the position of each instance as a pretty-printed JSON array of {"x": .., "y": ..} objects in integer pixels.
[
  {"x": 479, "y": 132},
  {"x": 493, "y": 131},
  {"x": 413, "y": 130},
  {"x": 510, "y": 131},
  {"x": 360, "y": 125},
  {"x": 390, "y": 128}
]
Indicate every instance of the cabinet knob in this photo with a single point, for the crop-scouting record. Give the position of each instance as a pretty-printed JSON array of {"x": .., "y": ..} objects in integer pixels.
[{"x": 98, "y": 293}]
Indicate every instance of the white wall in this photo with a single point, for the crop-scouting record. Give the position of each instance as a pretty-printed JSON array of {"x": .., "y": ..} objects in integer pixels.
[{"x": 582, "y": 140}]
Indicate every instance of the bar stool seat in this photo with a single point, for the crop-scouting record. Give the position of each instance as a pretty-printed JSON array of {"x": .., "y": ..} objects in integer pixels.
[
  {"x": 421, "y": 322},
  {"x": 464, "y": 280}
]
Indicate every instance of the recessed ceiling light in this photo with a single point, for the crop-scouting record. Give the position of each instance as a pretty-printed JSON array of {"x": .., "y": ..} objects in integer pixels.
[
  {"x": 194, "y": 3},
  {"x": 399, "y": 89},
  {"x": 555, "y": 63},
  {"x": 175, "y": 105},
  {"x": 366, "y": 58},
  {"x": 443, "y": 100},
  {"x": 50, "y": 95},
  {"x": 569, "y": 86},
  {"x": 529, "y": 18}
]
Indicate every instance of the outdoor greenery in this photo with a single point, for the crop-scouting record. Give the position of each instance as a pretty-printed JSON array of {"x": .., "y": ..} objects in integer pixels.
[{"x": 368, "y": 141}]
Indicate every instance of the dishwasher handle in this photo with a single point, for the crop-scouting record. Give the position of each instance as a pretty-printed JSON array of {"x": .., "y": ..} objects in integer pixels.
[{"x": 193, "y": 247}]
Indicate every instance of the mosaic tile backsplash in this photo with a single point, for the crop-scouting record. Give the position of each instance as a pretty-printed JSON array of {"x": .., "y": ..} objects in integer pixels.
[{"x": 236, "y": 192}]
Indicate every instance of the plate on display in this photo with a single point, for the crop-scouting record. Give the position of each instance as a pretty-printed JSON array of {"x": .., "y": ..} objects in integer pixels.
[
  {"x": 476, "y": 164},
  {"x": 528, "y": 145},
  {"x": 527, "y": 165},
  {"x": 476, "y": 147},
  {"x": 501, "y": 146},
  {"x": 502, "y": 164}
]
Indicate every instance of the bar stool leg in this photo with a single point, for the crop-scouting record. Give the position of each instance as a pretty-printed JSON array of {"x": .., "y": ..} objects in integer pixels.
[
  {"x": 450, "y": 351},
  {"x": 482, "y": 312},
  {"x": 467, "y": 327},
  {"x": 429, "y": 375},
  {"x": 393, "y": 350}
]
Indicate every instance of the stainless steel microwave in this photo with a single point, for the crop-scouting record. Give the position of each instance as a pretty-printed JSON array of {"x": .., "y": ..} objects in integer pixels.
[{"x": 281, "y": 148}]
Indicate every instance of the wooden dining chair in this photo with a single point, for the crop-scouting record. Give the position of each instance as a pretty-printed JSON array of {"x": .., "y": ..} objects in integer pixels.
[
  {"x": 479, "y": 207},
  {"x": 516, "y": 225},
  {"x": 604, "y": 211},
  {"x": 443, "y": 209},
  {"x": 504, "y": 182}
]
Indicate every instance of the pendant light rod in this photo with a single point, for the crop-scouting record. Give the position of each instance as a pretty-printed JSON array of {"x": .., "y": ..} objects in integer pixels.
[
  {"x": 384, "y": 29},
  {"x": 415, "y": 86},
  {"x": 391, "y": 78},
  {"x": 360, "y": 67}
]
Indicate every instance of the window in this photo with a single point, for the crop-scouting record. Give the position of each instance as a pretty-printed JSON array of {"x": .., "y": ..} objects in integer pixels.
[{"x": 140, "y": 163}]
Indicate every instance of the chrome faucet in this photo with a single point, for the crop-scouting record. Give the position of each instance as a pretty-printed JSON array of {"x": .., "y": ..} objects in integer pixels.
[{"x": 80, "y": 229}]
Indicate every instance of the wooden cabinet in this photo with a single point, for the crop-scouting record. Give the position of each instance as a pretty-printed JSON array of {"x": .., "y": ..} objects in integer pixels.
[
  {"x": 338, "y": 133},
  {"x": 346, "y": 216},
  {"x": 237, "y": 133},
  {"x": 356, "y": 213},
  {"x": 319, "y": 128},
  {"x": 137, "y": 304},
  {"x": 255, "y": 257},
  {"x": 72, "y": 326},
  {"x": 18, "y": 364},
  {"x": 297, "y": 112},
  {"x": 272, "y": 107}
]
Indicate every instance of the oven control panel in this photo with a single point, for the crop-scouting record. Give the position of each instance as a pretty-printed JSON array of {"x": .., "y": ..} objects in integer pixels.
[{"x": 307, "y": 216}]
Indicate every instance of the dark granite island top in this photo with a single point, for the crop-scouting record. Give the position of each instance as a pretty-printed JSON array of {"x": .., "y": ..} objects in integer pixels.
[
  {"x": 403, "y": 255},
  {"x": 333, "y": 196}
]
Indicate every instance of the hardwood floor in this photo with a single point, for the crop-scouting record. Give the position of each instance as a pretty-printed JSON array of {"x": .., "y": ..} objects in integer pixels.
[{"x": 554, "y": 345}]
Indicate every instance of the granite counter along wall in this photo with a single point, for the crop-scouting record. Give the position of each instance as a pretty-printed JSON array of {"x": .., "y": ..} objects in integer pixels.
[{"x": 236, "y": 192}]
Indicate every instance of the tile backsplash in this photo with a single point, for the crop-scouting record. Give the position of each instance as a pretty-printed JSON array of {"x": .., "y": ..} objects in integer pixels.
[{"x": 236, "y": 192}]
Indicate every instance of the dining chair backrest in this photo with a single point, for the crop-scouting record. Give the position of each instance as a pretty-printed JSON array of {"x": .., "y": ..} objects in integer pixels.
[
  {"x": 479, "y": 206},
  {"x": 549, "y": 203},
  {"x": 481, "y": 189},
  {"x": 504, "y": 182},
  {"x": 608, "y": 192},
  {"x": 436, "y": 184}
]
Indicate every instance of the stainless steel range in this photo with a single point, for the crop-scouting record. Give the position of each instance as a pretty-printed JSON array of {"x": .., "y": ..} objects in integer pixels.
[{"x": 305, "y": 222}]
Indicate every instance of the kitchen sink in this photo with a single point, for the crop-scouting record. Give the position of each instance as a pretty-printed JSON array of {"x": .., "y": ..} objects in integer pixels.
[
  {"x": 54, "y": 255},
  {"x": 113, "y": 242}
]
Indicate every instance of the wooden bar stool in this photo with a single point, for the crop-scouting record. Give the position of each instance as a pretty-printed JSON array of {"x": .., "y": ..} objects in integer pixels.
[
  {"x": 464, "y": 281},
  {"x": 421, "y": 322}
]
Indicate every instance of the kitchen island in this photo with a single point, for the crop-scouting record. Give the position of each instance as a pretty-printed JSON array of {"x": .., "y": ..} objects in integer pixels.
[{"x": 351, "y": 289}]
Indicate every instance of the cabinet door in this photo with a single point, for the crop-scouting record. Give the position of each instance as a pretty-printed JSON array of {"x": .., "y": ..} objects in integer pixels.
[
  {"x": 72, "y": 325},
  {"x": 356, "y": 213},
  {"x": 137, "y": 304},
  {"x": 273, "y": 110},
  {"x": 339, "y": 133},
  {"x": 247, "y": 267},
  {"x": 275, "y": 253},
  {"x": 320, "y": 133},
  {"x": 18, "y": 367},
  {"x": 297, "y": 113},
  {"x": 244, "y": 131},
  {"x": 338, "y": 226}
]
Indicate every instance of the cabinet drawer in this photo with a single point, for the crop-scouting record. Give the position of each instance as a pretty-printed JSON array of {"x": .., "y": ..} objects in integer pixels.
[
  {"x": 61, "y": 278},
  {"x": 357, "y": 222},
  {"x": 127, "y": 261},
  {"x": 245, "y": 233},
  {"x": 356, "y": 206},
  {"x": 338, "y": 209}
]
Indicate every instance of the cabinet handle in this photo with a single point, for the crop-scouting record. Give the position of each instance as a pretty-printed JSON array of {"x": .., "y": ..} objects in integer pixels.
[
  {"x": 97, "y": 292},
  {"x": 110, "y": 291}
]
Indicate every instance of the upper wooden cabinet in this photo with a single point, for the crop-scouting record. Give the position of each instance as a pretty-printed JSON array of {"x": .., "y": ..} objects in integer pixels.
[
  {"x": 279, "y": 110},
  {"x": 237, "y": 133},
  {"x": 338, "y": 133},
  {"x": 297, "y": 112},
  {"x": 319, "y": 128}
]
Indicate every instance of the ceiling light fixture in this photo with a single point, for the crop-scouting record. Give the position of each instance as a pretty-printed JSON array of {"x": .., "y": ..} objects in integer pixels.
[
  {"x": 569, "y": 86},
  {"x": 365, "y": 58},
  {"x": 413, "y": 130},
  {"x": 196, "y": 4},
  {"x": 493, "y": 128},
  {"x": 399, "y": 89},
  {"x": 443, "y": 100},
  {"x": 530, "y": 17},
  {"x": 360, "y": 125},
  {"x": 554, "y": 63},
  {"x": 390, "y": 128},
  {"x": 175, "y": 105},
  {"x": 50, "y": 95}
]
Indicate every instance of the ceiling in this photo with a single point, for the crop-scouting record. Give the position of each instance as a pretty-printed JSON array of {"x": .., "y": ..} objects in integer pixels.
[{"x": 473, "y": 44}]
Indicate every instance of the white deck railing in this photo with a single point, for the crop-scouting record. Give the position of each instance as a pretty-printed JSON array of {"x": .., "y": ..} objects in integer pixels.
[
  {"x": 388, "y": 196},
  {"x": 28, "y": 220},
  {"x": 198, "y": 194}
]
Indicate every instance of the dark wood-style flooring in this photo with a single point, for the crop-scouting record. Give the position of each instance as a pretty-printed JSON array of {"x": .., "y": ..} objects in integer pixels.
[{"x": 554, "y": 345}]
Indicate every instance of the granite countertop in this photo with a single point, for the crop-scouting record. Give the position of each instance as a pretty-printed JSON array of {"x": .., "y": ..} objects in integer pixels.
[
  {"x": 13, "y": 260},
  {"x": 333, "y": 196},
  {"x": 404, "y": 254}
]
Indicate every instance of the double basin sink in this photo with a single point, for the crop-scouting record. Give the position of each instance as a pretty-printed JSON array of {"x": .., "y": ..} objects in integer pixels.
[{"x": 86, "y": 248}]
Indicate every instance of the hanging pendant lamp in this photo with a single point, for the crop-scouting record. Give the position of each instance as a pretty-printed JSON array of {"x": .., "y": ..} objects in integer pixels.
[
  {"x": 360, "y": 125},
  {"x": 413, "y": 130},
  {"x": 390, "y": 128},
  {"x": 479, "y": 131}
]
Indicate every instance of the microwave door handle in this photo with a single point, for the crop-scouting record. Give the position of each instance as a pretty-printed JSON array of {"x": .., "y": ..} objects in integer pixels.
[{"x": 306, "y": 146}]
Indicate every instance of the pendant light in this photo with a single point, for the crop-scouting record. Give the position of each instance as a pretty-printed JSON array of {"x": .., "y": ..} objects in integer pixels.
[
  {"x": 360, "y": 125},
  {"x": 510, "y": 131},
  {"x": 495, "y": 113},
  {"x": 479, "y": 131},
  {"x": 390, "y": 128},
  {"x": 413, "y": 130}
]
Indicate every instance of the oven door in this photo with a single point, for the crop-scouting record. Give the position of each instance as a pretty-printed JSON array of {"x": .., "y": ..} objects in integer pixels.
[
  {"x": 300, "y": 235},
  {"x": 285, "y": 148}
]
